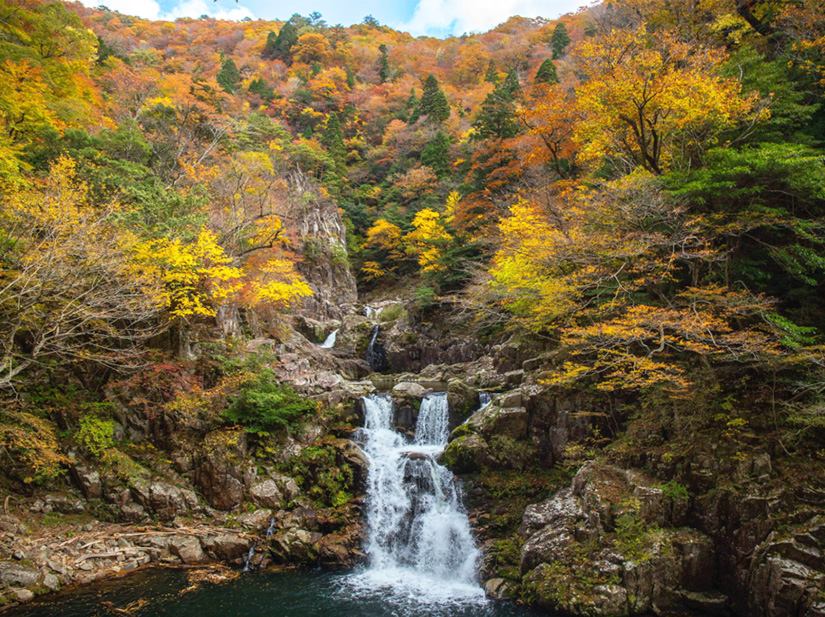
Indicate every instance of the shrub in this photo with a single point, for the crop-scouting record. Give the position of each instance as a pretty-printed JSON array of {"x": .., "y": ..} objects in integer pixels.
[
  {"x": 264, "y": 405},
  {"x": 96, "y": 434}
]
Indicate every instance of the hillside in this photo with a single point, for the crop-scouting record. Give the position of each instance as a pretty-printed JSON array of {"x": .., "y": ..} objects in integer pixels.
[{"x": 611, "y": 224}]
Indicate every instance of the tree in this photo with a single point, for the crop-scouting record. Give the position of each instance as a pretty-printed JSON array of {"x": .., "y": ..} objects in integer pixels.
[
  {"x": 228, "y": 77},
  {"x": 333, "y": 140},
  {"x": 383, "y": 64},
  {"x": 547, "y": 73},
  {"x": 68, "y": 286},
  {"x": 551, "y": 117},
  {"x": 282, "y": 46},
  {"x": 497, "y": 117},
  {"x": 428, "y": 240},
  {"x": 434, "y": 104},
  {"x": 559, "y": 40},
  {"x": 436, "y": 154},
  {"x": 271, "y": 50},
  {"x": 654, "y": 101},
  {"x": 491, "y": 75},
  {"x": 261, "y": 88},
  {"x": 311, "y": 47}
]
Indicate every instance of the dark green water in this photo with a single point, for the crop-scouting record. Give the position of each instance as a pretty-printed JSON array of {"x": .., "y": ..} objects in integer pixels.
[{"x": 253, "y": 594}]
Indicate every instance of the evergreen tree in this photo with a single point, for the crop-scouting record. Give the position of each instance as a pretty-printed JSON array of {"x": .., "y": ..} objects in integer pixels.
[
  {"x": 491, "y": 76},
  {"x": 436, "y": 154},
  {"x": 270, "y": 51},
  {"x": 383, "y": 64},
  {"x": 287, "y": 37},
  {"x": 261, "y": 88},
  {"x": 229, "y": 77},
  {"x": 497, "y": 117},
  {"x": 333, "y": 140},
  {"x": 434, "y": 104},
  {"x": 559, "y": 40},
  {"x": 547, "y": 73}
]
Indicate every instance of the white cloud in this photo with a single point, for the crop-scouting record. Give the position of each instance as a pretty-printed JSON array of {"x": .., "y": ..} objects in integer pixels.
[
  {"x": 151, "y": 9},
  {"x": 439, "y": 17},
  {"x": 196, "y": 8}
]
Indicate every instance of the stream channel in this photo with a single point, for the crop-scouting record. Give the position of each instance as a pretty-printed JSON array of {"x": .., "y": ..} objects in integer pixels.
[{"x": 422, "y": 558}]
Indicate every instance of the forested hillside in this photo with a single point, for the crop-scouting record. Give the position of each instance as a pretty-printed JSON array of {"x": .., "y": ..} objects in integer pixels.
[{"x": 634, "y": 194}]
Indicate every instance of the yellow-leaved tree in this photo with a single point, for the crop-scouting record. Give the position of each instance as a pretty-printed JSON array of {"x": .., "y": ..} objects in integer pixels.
[
  {"x": 653, "y": 101},
  {"x": 606, "y": 280},
  {"x": 69, "y": 288}
]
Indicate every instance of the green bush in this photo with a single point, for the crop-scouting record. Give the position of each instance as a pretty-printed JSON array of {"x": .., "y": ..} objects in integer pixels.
[
  {"x": 264, "y": 406},
  {"x": 391, "y": 313},
  {"x": 96, "y": 434}
]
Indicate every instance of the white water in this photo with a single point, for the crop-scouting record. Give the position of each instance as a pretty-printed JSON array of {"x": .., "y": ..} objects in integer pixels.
[
  {"x": 419, "y": 542},
  {"x": 329, "y": 342}
]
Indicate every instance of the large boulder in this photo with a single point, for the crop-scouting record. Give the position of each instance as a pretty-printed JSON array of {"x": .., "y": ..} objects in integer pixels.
[{"x": 219, "y": 468}]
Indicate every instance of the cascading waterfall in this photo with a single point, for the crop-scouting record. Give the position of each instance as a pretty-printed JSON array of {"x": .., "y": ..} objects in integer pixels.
[
  {"x": 329, "y": 342},
  {"x": 419, "y": 541},
  {"x": 375, "y": 356}
]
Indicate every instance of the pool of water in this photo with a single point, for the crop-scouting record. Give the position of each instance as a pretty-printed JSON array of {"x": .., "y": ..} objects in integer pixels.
[{"x": 171, "y": 593}]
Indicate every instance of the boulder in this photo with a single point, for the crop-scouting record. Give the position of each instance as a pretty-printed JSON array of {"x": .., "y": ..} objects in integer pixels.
[
  {"x": 467, "y": 454},
  {"x": 219, "y": 468},
  {"x": 226, "y": 546},
  {"x": 88, "y": 480},
  {"x": 187, "y": 548},
  {"x": 16, "y": 575},
  {"x": 408, "y": 389},
  {"x": 498, "y": 588},
  {"x": 266, "y": 494}
]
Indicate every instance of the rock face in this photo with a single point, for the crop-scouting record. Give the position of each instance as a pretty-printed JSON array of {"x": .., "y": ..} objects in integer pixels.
[
  {"x": 594, "y": 549},
  {"x": 325, "y": 265},
  {"x": 218, "y": 471}
]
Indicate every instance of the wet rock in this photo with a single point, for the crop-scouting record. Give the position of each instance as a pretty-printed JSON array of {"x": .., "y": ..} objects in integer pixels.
[
  {"x": 497, "y": 588},
  {"x": 133, "y": 512},
  {"x": 64, "y": 504},
  {"x": 51, "y": 582},
  {"x": 295, "y": 546},
  {"x": 609, "y": 601},
  {"x": 408, "y": 389}
]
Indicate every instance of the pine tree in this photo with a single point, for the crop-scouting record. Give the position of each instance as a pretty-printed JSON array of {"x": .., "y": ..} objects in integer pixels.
[
  {"x": 434, "y": 104},
  {"x": 491, "y": 76},
  {"x": 436, "y": 154},
  {"x": 261, "y": 88},
  {"x": 547, "y": 73},
  {"x": 559, "y": 40},
  {"x": 287, "y": 37},
  {"x": 228, "y": 77},
  {"x": 497, "y": 117},
  {"x": 333, "y": 140},
  {"x": 383, "y": 64},
  {"x": 270, "y": 51}
]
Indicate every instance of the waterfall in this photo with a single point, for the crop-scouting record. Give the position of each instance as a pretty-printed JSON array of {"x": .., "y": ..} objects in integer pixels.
[
  {"x": 484, "y": 399},
  {"x": 433, "y": 420},
  {"x": 329, "y": 342},
  {"x": 376, "y": 357},
  {"x": 419, "y": 541},
  {"x": 247, "y": 562}
]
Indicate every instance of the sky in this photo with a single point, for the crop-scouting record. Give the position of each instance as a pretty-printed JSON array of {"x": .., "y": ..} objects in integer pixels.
[{"x": 418, "y": 17}]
